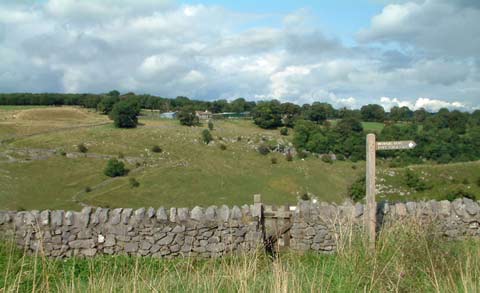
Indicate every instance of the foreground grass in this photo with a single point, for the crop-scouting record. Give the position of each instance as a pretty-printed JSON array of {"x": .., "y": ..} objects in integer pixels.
[{"x": 409, "y": 258}]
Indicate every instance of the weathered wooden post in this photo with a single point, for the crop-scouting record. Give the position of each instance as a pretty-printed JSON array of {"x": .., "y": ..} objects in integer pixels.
[{"x": 371, "y": 207}]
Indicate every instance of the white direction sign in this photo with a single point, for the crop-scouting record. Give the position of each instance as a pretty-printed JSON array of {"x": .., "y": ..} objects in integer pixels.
[{"x": 395, "y": 145}]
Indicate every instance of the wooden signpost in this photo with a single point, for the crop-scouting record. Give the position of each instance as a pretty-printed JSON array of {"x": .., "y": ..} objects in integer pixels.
[{"x": 371, "y": 208}]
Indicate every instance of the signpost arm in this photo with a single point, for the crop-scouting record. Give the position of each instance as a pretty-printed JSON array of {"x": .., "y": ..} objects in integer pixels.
[{"x": 371, "y": 208}]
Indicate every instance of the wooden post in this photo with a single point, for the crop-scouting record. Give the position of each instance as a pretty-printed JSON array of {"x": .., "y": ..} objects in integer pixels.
[{"x": 371, "y": 208}]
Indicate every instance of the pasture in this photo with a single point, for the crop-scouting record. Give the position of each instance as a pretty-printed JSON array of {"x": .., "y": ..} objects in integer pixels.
[{"x": 40, "y": 166}]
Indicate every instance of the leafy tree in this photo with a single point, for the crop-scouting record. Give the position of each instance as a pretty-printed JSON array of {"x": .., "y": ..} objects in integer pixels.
[
  {"x": 372, "y": 113},
  {"x": 349, "y": 125},
  {"x": 319, "y": 112},
  {"x": 267, "y": 115},
  {"x": 125, "y": 114},
  {"x": 187, "y": 117},
  {"x": 420, "y": 115},
  {"x": 284, "y": 131},
  {"x": 400, "y": 113},
  {"x": 106, "y": 104},
  {"x": 115, "y": 168}
]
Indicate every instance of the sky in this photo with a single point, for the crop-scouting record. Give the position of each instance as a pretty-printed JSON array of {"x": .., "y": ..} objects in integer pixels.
[{"x": 415, "y": 53}]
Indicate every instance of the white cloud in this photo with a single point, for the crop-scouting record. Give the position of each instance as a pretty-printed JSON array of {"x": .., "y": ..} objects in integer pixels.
[
  {"x": 426, "y": 103},
  {"x": 209, "y": 52}
]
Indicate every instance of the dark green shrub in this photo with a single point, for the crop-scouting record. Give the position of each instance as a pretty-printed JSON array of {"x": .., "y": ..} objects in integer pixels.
[
  {"x": 465, "y": 181},
  {"x": 302, "y": 154},
  {"x": 274, "y": 161},
  {"x": 305, "y": 196},
  {"x": 82, "y": 148},
  {"x": 289, "y": 157},
  {"x": 263, "y": 149},
  {"x": 356, "y": 191},
  {"x": 121, "y": 155},
  {"x": 206, "y": 136},
  {"x": 354, "y": 167},
  {"x": 125, "y": 114},
  {"x": 340, "y": 157},
  {"x": 456, "y": 191},
  {"x": 478, "y": 181},
  {"x": 156, "y": 149},
  {"x": 210, "y": 125},
  {"x": 223, "y": 147},
  {"x": 327, "y": 159},
  {"x": 239, "y": 138},
  {"x": 414, "y": 181},
  {"x": 133, "y": 182},
  {"x": 187, "y": 117},
  {"x": 137, "y": 164},
  {"x": 115, "y": 168},
  {"x": 284, "y": 131},
  {"x": 88, "y": 189},
  {"x": 61, "y": 152}
]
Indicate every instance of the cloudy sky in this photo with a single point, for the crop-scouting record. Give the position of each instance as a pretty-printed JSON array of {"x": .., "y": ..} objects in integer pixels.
[{"x": 423, "y": 53}]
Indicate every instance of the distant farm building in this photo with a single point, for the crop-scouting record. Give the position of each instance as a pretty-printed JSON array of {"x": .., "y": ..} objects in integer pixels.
[
  {"x": 203, "y": 115},
  {"x": 169, "y": 115}
]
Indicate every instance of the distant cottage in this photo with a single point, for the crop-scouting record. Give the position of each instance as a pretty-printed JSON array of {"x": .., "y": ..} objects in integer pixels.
[{"x": 203, "y": 115}]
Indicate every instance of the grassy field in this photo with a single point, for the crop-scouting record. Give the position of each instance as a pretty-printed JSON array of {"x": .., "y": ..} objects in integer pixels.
[
  {"x": 409, "y": 258},
  {"x": 186, "y": 173}
]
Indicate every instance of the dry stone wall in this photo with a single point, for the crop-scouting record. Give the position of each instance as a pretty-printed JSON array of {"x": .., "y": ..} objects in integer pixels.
[
  {"x": 215, "y": 231},
  {"x": 319, "y": 226},
  {"x": 160, "y": 233}
]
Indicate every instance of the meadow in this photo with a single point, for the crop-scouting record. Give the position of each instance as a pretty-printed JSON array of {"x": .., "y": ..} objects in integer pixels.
[{"x": 41, "y": 167}]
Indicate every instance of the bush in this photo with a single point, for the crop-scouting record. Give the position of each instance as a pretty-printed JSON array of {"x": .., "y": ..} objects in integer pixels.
[
  {"x": 61, "y": 152},
  {"x": 327, "y": 159},
  {"x": 356, "y": 191},
  {"x": 88, "y": 189},
  {"x": 239, "y": 138},
  {"x": 210, "y": 125},
  {"x": 305, "y": 196},
  {"x": 274, "y": 161},
  {"x": 121, "y": 155},
  {"x": 414, "y": 181},
  {"x": 115, "y": 168},
  {"x": 206, "y": 136},
  {"x": 156, "y": 149},
  {"x": 263, "y": 149},
  {"x": 465, "y": 181},
  {"x": 133, "y": 182},
  {"x": 125, "y": 114},
  {"x": 284, "y": 131},
  {"x": 302, "y": 154},
  {"x": 289, "y": 157},
  {"x": 340, "y": 157},
  {"x": 457, "y": 191},
  {"x": 187, "y": 117},
  {"x": 82, "y": 148},
  {"x": 223, "y": 147}
]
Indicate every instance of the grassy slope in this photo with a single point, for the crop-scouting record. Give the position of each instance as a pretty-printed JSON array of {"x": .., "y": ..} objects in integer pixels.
[
  {"x": 186, "y": 173},
  {"x": 441, "y": 179}
]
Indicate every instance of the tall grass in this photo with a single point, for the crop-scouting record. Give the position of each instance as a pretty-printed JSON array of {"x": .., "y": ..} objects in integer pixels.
[{"x": 410, "y": 257}]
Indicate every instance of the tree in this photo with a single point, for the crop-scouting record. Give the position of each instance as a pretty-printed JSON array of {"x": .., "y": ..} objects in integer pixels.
[
  {"x": 400, "y": 113},
  {"x": 114, "y": 94},
  {"x": 267, "y": 115},
  {"x": 106, "y": 104},
  {"x": 187, "y": 117},
  {"x": 125, "y": 114},
  {"x": 372, "y": 113},
  {"x": 319, "y": 112},
  {"x": 420, "y": 115},
  {"x": 115, "y": 168},
  {"x": 349, "y": 125}
]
